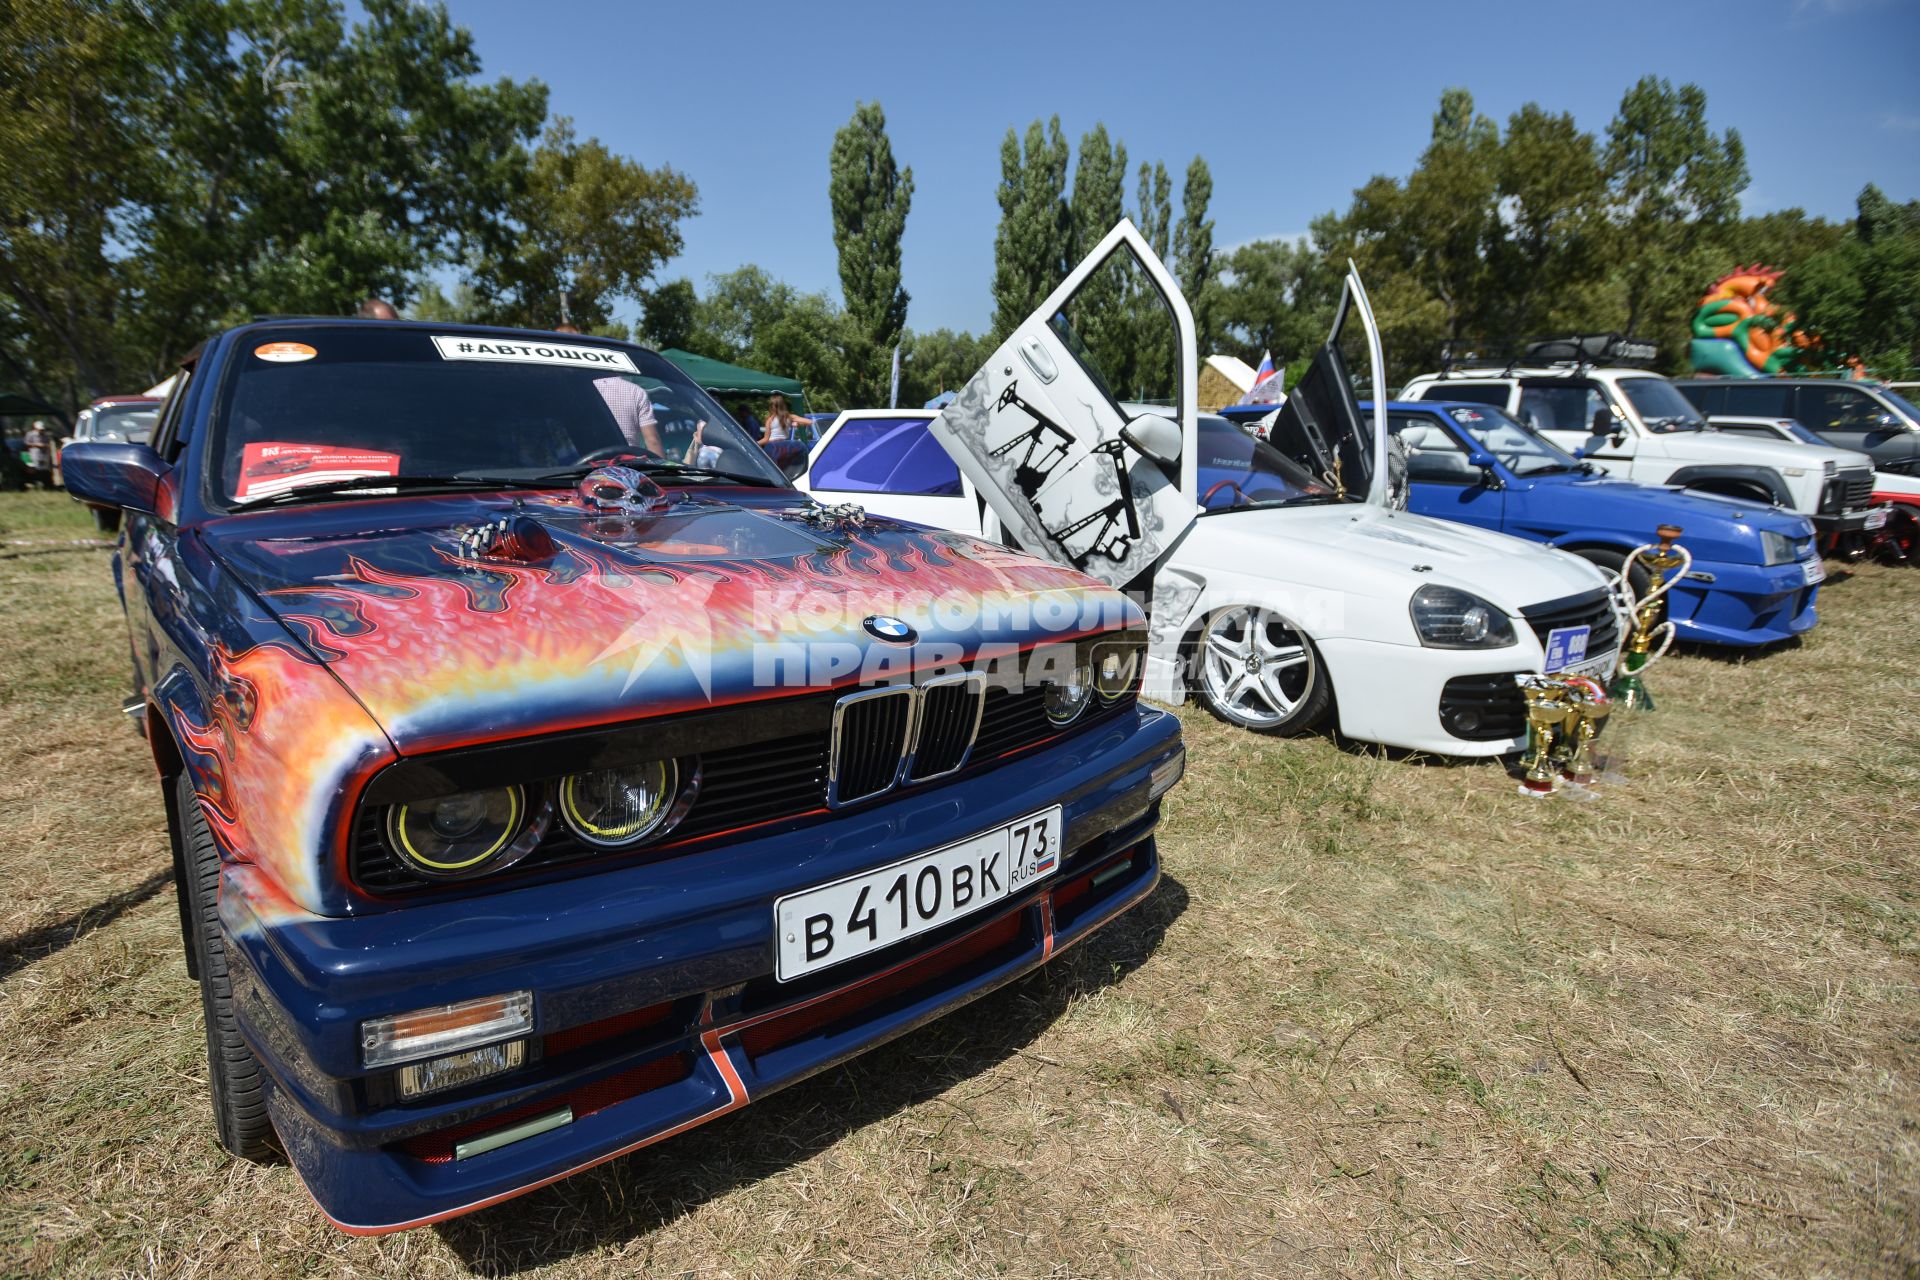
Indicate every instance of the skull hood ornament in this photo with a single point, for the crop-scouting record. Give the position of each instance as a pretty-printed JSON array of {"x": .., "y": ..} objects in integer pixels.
[{"x": 622, "y": 490}]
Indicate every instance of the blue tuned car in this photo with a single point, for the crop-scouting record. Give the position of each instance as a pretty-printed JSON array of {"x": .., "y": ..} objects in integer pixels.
[{"x": 1756, "y": 569}]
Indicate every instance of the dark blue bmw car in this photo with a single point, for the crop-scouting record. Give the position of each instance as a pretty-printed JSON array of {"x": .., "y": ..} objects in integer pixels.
[{"x": 545, "y": 777}]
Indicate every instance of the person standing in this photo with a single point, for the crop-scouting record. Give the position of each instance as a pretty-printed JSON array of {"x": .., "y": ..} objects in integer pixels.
[
  {"x": 630, "y": 405},
  {"x": 782, "y": 422},
  {"x": 39, "y": 446}
]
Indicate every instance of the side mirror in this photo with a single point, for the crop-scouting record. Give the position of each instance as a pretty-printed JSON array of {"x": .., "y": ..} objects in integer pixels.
[
  {"x": 1602, "y": 422},
  {"x": 119, "y": 477},
  {"x": 790, "y": 456},
  {"x": 1154, "y": 436},
  {"x": 1482, "y": 461}
]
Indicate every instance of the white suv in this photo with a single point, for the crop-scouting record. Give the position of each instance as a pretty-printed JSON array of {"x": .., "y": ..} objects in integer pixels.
[{"x": 1635, "y": 424}]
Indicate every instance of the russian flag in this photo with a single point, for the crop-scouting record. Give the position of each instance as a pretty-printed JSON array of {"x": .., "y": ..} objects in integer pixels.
[{"x": 1266, "y": 369}]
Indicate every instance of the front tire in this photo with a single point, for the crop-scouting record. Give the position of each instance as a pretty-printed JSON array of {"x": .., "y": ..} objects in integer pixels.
[
  {"x": 1613, "y": 561},
  {"x": 233, "y": 1073},
  {"x": 1254, "y": 669}
]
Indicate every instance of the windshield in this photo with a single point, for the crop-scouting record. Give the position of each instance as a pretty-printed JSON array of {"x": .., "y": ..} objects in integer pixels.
[
  {"x": 1905, "y": 406},
  {"x": 1661, "y": 406},
  {"x": 131, "y": 423},
  {"x": 1236, "y": 470},
  {"x": 326, "y": 404},
  {"x": 1519, "y": 450}
]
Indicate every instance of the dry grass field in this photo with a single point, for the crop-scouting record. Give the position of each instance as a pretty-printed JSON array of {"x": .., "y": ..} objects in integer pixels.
[{"x": 1384, "y": 1017}]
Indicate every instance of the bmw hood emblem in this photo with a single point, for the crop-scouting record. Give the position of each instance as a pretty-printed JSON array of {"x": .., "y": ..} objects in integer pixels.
[{"x": 892, "y": 630}]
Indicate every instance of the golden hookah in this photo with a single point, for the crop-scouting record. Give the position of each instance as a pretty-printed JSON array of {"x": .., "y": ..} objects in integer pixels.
[{"x": 1661, "y": 561}]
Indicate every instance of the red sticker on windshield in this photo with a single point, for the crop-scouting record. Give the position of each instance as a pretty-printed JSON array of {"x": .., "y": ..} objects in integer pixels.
[
  {"x": 285, "y": 352},
  {"x": 271, "y": 467}
]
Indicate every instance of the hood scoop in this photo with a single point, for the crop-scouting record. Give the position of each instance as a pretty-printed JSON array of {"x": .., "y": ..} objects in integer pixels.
[{"x": 516, "y": 537}]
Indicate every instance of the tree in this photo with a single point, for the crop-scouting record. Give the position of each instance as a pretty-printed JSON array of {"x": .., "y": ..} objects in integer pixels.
[
  {"x": 1193, "y": 251},
  {"x": 870, "y": 197},
  {"x": 1276, "y": 296},
  {"x": 1035, "y": 236},
  {"x": 1673, "y": 186},
  {"x": 748, "y": 317},
  {"x": 1552, "y": 247},
  {"x": 939, "y": 361},
  {"x": 1862, "y": 295},
  {"x": 1154, "y": 364},
  {"x": 1155, "y": 206},
  {"x": 174, "y": 166},
  {"x": 594, "y": 229},
  {"x": 669, "y": 315},
  {"x": 1098, "y": 205}
]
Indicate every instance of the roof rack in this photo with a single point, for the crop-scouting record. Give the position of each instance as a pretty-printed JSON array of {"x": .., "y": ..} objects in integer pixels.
[{"x": 1579, "y": 351}]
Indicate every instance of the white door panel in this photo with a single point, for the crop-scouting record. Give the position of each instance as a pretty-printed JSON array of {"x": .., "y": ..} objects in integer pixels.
[{"x": 1038, "y": 433}]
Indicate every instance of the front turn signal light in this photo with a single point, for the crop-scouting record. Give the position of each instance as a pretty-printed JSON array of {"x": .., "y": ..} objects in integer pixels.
[{"x": 444, "y": 1029}]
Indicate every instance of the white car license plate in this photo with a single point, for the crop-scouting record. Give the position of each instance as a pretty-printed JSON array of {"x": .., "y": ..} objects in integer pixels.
[
  {"x": 1813, "y": 571},
  {"x": 1595, "y": 668},
  {"x": 1877, "y": 518},
  {"x": 1566, "y": 647},
  {"x": 819, "y": 928}
]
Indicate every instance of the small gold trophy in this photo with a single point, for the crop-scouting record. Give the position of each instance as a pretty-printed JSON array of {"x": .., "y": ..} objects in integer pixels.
[
  {"x": 1629, "y": 690},
  {"x": 1591, "y": 709},
  {"x": 1546, "y": 717}
]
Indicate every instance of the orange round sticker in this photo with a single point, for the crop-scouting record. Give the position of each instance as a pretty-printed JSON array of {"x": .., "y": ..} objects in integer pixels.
[{"x": 285, "y": 352}]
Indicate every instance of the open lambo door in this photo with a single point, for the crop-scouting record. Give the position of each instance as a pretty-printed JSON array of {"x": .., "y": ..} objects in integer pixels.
[
  {"x": 1079, "y": 432},
  {"x": 1320, "y": 425}
]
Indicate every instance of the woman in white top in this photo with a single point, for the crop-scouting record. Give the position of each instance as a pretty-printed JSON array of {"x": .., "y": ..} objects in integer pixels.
[{"x": 782, "y": 422}]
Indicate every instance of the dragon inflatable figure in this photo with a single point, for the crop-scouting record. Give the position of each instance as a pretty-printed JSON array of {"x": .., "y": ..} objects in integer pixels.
[{"x": 1739, "y": 333}]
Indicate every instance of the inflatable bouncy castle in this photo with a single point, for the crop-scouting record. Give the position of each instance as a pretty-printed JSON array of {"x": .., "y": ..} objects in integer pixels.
[{"x": 1738, "y": 332}]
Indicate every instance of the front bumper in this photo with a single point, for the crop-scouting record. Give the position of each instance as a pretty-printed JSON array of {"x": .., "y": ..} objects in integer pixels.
[
  {"x": 1744, "y": 605},
  {"x": 1845, "y": 521},
  {"x": 655, "y": 1003},
  {"x": 1392, "y": 693}
]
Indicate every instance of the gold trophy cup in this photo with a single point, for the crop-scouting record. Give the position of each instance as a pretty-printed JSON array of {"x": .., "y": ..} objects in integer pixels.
[
  {"x": 1591, "y": 709},
  {"x": 1546, "y": 715}
]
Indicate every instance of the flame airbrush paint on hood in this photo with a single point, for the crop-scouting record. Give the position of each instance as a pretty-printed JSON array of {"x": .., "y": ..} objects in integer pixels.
[
  {"x": 622, "y": 616},
  {"x": 448, "y": 629}
]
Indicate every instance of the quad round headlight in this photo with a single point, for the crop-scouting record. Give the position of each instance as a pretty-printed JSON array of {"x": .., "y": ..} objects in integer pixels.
[
  {"x": 611, "y": 808},
  {"x": 1066, "y": 697},
  {"x": 457, "y": 834}
]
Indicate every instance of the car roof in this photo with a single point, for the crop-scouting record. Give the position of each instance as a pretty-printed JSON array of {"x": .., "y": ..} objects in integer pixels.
[
  {"x": 103, "y": 401},
  {"x": 1412, "y": 406},
  {"x": 264, "y": 323}
]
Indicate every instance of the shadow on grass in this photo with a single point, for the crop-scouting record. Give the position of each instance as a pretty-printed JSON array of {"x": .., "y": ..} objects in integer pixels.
[
  {"x": 38, "y": 944},
  {"x": 1729, "y": 656},
  {"x": 628, "y": 1198}
]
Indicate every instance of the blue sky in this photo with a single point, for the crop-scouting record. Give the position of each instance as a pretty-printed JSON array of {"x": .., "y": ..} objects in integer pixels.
[{"x": 1292, "y": 105}]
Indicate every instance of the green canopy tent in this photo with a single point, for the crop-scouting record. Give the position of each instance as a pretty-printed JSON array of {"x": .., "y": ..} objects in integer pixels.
[{"x": 723, "y": 379}]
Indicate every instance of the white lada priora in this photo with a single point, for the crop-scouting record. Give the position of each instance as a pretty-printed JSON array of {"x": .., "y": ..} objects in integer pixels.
[{"x": 1277, "y": 595}]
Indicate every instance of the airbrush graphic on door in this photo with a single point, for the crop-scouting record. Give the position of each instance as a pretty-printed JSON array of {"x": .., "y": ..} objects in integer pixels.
[{"x": 1079, "y": 432}]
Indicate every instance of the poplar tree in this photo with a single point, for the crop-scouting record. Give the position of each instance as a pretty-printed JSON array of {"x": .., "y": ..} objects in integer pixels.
[
  {"x": 1193, "y": 251},
  {"x": 1154, "y": 375},
  {"x": 1036, "y": 232},
  {"x": 1100, "y": 312},
  {"x": 870, "y": 196}
]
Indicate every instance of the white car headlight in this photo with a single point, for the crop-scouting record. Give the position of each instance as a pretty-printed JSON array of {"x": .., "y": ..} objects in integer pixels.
[{"x": 1448, "y": 618}]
